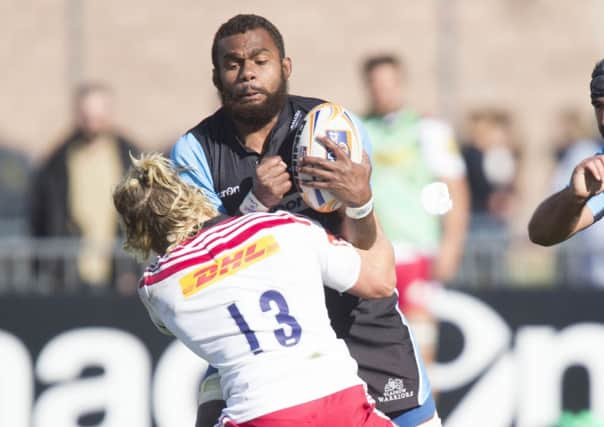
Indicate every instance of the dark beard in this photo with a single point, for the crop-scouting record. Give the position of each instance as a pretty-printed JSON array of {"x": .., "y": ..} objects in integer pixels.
[{"x": 258, "y": 115}]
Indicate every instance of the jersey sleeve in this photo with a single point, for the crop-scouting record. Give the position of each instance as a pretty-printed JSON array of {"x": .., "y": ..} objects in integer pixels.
[
  {"x": 188, "y": 156},
  {"x": 339, "y": 260},
  {"x": 440, "y": 149},
  {"x": 596, "y": 203},
  {"x": 596, "y": 206},
  {"x": 144, "y": 297},
  {"x": 365, "y": 138}
]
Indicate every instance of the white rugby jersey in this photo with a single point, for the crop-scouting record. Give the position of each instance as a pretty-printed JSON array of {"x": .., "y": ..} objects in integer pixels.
[{"x": 247, "y": 296}]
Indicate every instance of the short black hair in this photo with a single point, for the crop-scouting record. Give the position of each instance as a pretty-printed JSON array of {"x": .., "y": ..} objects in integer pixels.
[
  {"x": 598, "y": 69},
  {"x": 596, "y": 85},
  {"x": 375, "y": 61},
  {"x": 239, "y": 24}
]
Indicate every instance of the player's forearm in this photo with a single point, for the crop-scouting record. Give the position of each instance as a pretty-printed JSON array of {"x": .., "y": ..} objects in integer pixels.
[
  {"x": 362, "y": 233},
  {"x": 557, "y": 218},
  {"x": 377, "y": 278}
]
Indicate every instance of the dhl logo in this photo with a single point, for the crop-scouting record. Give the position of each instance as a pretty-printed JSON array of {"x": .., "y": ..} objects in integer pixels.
[{"x": 234, "y": 261}]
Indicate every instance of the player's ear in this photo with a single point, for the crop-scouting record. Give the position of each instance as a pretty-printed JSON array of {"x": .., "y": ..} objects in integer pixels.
[
  {"x": 216, "y": 79},
  {"x": 286, "y": 66}
]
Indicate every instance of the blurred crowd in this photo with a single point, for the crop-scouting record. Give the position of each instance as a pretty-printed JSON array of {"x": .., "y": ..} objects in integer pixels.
[
  {"x": 65, "y": 201},
  {"x": 61, "y": 206}
]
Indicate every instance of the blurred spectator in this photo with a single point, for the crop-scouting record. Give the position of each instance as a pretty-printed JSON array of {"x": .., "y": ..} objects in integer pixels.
[
  {"x": 71, "y": 194},
  {"x": 410, "y": 152},
  {"x": 489, "y": 151},
  {"x": 580, "y": 259},
  {"x": 491, "y": 159},
  {"x": 14, "y": 179},
  {"x": 573, "y": 142}
]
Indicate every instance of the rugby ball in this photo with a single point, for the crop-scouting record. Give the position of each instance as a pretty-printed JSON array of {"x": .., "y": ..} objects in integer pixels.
[{"x": 336, "y": 123}]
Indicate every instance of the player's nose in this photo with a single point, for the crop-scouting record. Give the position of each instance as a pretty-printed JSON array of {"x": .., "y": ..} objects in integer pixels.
[{"x": 248, "y": 71}]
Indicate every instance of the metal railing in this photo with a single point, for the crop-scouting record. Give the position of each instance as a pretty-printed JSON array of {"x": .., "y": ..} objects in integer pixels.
[
  {"x": 51, "y": 265},
  {"x": 491, "y": 259}
]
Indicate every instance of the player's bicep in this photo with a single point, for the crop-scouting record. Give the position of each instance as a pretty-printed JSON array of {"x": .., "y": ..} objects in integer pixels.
[{"x": 355, "y": 271}]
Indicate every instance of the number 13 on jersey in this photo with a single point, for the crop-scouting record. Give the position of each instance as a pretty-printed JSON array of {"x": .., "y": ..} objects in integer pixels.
[{"x": 287, "y": 335}]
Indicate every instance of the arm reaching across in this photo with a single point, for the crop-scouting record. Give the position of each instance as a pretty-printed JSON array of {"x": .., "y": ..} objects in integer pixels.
[
  {"x": 377, "y": 278},
  {"x": 567, "y": 212},
  {"x": 364, "y": 273}
]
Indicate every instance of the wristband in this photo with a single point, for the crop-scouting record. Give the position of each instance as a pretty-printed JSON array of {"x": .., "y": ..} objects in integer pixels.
[
  {"x": 252, "y": 204},
  {"x": 361, "y": 211}
]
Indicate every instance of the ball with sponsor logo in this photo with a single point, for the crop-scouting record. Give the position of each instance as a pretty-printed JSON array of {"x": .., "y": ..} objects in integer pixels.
[{"x": 335, "y": 122}]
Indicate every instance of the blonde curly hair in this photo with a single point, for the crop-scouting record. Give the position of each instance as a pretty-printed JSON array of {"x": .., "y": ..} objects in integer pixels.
[{"x": 157, "y": 209}]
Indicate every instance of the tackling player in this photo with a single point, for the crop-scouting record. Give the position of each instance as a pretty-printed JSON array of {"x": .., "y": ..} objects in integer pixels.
[
  {"x": 241, "y": 157},
  {"x": 246, "y": 294}
]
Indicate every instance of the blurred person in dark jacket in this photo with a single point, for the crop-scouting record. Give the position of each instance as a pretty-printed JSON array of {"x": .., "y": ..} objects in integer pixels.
[
  {"x": 492, "y": 162},
  {"x": 71, "y": 192}
]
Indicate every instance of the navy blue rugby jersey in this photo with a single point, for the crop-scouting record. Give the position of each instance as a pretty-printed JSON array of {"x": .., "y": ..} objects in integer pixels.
[
  {"x": 223, "y": 167},
  {"x": 214, "y": 158}
]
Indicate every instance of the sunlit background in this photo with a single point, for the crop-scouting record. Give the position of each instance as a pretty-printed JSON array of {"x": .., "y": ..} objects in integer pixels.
[{"x": 522, "y": 339}]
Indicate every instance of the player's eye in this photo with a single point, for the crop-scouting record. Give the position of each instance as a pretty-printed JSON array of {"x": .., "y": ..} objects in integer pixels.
[{"x": 231, "y": 65}]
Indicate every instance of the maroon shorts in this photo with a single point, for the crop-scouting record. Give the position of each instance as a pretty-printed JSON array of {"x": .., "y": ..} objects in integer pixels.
[
  {"x": 416, "y": 271},
  {"x": 346, "y": 408}
]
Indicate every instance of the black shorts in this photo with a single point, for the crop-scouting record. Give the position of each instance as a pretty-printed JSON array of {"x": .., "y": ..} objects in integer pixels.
[{"x": 381, "y": 343}]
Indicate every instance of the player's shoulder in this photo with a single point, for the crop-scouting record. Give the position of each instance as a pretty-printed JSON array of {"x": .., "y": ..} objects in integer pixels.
[
  {"x": 215, "y": 240},
  {"x": 198, "y": 141},
  {"x": 251, "y": 227},
  {"x": 304, "y": 103},
  {"x": 209, "y": 126}
]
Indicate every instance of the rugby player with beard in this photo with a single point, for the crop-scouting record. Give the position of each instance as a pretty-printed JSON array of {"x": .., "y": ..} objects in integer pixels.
[{"x": 240, "y": 156}]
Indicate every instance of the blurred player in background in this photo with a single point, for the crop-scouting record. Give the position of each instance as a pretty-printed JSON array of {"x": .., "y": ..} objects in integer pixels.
[
  {"x": 581, "y": 202},
  {"x": 246, "y": 294},
  {"x": 241, "y": 157},
  {"x": 410, "y": 152}
]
